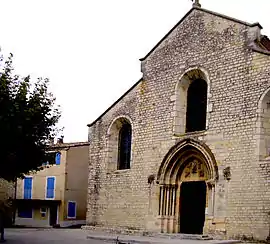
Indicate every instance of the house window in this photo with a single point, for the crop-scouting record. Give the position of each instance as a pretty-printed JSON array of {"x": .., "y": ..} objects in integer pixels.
[
  {"x": 45, "y": 164},
  {"x": 25, "y": 212},
  {"x": 27, "y": 190},
  {"x": 58, "y": 158},
  {"x": 124, "y": 148},
  {"x": 71, "y": 210},
  {"x": 196, "y": 106},
  {"x": 50, "y": 188},
  {"x": 43, "y": 212}
]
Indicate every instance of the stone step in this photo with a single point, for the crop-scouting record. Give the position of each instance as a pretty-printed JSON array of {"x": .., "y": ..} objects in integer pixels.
[{"x": 183, "y": 236}]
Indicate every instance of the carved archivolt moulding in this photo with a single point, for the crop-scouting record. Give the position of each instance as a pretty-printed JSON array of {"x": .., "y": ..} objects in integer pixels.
[{"x": 188, "y": 153}]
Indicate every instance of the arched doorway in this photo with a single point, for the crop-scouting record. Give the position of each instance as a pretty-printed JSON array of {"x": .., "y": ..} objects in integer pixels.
[
  {"x": 187, "y": 179},
  {"x": 193, "y": 192}
]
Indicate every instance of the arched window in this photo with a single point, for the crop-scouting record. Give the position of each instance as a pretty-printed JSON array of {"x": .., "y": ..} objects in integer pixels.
[
  {"x": 119, "y": 135},
  {"x": 263, "y": 126},
  {"x": 196, "y": 106},
  {"x": 58, "y": 158},
  {"x": 124, "y": 147},
  {"x": 190, "y": 105}
]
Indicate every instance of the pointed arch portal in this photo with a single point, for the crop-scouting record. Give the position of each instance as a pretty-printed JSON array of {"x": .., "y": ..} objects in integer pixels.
[{"x": 187, "y": 179}]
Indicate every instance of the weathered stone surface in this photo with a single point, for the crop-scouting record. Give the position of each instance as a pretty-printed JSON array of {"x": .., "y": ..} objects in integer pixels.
[{"x": 216, "y": 49}]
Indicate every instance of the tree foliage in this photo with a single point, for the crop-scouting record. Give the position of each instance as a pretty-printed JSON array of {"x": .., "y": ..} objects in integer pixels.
[{"x": 28, "y": 118}]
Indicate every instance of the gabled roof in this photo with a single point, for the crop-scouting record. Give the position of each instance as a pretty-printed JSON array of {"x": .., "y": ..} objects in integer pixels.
[
  {"x": 188, "y": 13},
  {"x": 206, "y": 11}
]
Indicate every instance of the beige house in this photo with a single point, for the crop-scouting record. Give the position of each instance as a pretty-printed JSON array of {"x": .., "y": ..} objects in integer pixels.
[
  {"x": 187, "y": 148},
  {"x": 55, "y": 195}
]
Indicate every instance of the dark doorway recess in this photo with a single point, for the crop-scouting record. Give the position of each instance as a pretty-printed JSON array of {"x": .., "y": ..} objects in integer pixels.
[
  {"x": 196, "y": 106},
  {"x": 53, "y": 215},
  {"x": 192, "y": 207}
]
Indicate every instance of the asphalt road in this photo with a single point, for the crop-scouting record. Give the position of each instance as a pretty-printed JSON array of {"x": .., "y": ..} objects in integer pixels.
[{"x": 48, "y": 236}]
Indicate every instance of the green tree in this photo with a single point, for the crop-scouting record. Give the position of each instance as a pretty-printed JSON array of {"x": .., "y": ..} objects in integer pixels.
[{"x": 28, "y": 118}]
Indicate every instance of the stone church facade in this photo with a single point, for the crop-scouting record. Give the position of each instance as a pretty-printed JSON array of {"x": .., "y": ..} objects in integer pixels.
[{"x": 186, "y": 149}]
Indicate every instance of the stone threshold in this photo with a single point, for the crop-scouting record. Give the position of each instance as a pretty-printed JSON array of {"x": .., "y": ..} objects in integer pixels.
[
  {"x": 139, "y": 236},
  {"x": 183, "y": 236},
  {"x": 126, "y": 239}
]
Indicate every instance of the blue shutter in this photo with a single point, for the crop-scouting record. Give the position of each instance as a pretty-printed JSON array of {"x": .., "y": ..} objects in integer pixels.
[
  {"x": 50, "y": 187},
  {"x": 71, "y": 209},
  {"x": 57, "y": 158},
  {"x": 27, "y": 193}
]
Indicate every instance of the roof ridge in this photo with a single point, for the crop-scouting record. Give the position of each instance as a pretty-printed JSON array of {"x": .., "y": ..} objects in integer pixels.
[
  {"x": 68, "y": 144},
  {"x": 206, "y": 11},
  {"x": 231, "y": 18}
]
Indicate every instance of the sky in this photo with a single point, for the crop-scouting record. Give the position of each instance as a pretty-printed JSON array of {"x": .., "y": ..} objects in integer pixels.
[{"x": 90, "y": 49}]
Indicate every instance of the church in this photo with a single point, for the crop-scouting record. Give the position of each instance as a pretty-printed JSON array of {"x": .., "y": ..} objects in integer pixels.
[{"x": 187, "y": 148}]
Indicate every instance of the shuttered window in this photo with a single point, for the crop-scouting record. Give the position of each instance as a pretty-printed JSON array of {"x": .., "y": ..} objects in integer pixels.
[
  {"x": 27, "y": 193},
  {"x": 50, "y": 187}
]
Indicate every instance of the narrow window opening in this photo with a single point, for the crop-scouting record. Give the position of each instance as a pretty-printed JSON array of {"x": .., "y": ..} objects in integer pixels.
[
  {"x": 58, "y": 158},
  {"x": 196, "y": 106},
  {"x": 28, "y": 184},
  {"x": 124, "y": 148}
]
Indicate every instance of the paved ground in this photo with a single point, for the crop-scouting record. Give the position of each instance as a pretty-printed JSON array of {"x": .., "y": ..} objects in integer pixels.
[
  {"x": 78, "y": 236},
  {"x": 48, "y": 236},
  {"x": 158, "y": 239}
]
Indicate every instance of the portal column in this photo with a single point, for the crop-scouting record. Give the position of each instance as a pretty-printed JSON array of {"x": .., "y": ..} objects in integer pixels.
[
  {"x": 174, "y": 222},
  {"x": 209, "y": 213},
  {"x": 161, "y": 208},
  {"x": 170, "y": 219},
  {"x": 166, "y": 208},
  {"x": 211, "y": 197},
  {"x": 177, "y": 208}
]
